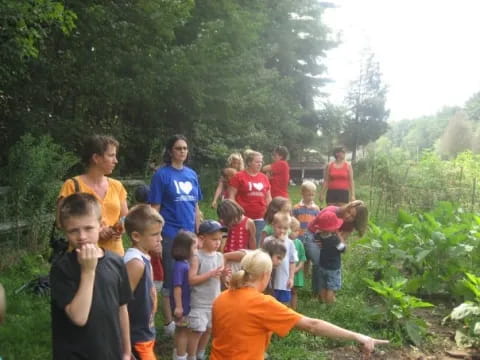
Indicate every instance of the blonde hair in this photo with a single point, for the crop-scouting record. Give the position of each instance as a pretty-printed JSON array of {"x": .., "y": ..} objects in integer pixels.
[
  {"x": 294, "y": 224},
  {"x": 140, "y": 218},
  {"x": 281, "y": 218},
  {"x": 249, "y": 156},
  {"x": 308, "y": 185},
  {"x": 254, "y": 265},
  {"x": 235, "y": 156}
]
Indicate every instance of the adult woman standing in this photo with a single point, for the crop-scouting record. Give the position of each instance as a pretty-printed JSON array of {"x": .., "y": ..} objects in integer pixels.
[
  {"x": 175, "y": 192},
  {"x": 244, "y": 318},
  {"x": 99, "y": 156},
  {"x": 279, "y": 172},
  {"x": 250, "y": 188},
  {"x": 338, "y": 180}
]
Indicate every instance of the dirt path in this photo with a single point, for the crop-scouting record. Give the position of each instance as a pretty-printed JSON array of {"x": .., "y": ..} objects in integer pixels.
[{"x": 439, "y": 346}]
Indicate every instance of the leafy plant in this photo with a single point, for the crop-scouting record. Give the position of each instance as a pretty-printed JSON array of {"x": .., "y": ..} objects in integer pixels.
[
  {"x": 399, "y": 308},
  {"x": 467, "y": 314},
  {"x": 432, "y": 249}
]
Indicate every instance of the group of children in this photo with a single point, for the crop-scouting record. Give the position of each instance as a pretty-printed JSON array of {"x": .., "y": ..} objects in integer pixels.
[{"x": 103, "y": 306}]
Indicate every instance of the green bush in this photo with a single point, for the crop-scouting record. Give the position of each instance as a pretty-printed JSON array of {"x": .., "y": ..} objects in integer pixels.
[{"x": 35, "y": 169}]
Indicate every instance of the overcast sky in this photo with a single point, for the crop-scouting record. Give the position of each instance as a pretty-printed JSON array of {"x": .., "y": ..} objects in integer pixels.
[{"x": 428, "y": 50}]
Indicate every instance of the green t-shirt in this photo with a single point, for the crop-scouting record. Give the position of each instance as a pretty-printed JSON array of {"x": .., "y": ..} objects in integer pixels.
[{"x": 299, "y": 279}]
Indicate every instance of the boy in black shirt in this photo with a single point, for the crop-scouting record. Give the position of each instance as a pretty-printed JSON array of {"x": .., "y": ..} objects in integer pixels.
[
  {"x": 90, "y": 289},
  {"x": 330, "y": 260}
]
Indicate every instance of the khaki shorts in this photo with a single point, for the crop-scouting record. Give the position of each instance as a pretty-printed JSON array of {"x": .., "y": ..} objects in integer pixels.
[{"x": 200, "y": 319}]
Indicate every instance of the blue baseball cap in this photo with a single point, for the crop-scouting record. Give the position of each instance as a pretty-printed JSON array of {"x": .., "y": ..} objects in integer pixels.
[
  {"x": 210, "y": 226},
  {"x": 141, "y": 193}
]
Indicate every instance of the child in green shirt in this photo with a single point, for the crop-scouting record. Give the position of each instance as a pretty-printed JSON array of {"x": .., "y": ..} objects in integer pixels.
[{"x": 299, "y": 279}]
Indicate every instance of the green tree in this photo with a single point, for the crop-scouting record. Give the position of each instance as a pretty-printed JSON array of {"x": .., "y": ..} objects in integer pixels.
[{"x": 366, "y": 103}]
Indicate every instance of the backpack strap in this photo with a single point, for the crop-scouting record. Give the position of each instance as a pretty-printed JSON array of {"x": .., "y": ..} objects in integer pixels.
[{"x": 76, "y": 184}]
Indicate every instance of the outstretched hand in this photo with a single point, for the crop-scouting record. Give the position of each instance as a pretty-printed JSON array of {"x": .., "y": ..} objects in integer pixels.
[{"x": 369, "y": 344}]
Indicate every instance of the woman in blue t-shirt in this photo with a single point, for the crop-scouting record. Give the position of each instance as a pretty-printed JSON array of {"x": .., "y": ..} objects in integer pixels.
[{"x": 175, "y": 192}]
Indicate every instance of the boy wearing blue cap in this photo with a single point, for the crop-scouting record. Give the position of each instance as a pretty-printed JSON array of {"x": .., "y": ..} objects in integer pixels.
[{"x": 206, "y": 271}]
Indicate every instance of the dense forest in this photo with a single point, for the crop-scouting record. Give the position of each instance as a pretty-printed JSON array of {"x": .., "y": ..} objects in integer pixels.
[{"x": 228, "y": 74}]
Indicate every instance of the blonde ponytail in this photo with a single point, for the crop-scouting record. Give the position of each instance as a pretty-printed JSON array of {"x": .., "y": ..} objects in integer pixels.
[{"x": 254, "y": 265}]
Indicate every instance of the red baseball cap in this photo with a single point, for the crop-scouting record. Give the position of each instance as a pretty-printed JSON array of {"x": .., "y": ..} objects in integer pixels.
[{"x": 328, "y": 221}]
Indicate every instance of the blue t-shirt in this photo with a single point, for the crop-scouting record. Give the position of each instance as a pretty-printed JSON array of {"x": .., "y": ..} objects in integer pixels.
[
  {"x": 177, "y": 191},
  {"x": 180, "y": 278}
]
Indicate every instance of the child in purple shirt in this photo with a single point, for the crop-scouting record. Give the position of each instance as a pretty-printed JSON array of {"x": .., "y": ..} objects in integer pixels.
[{"x": 184, "y": 245}]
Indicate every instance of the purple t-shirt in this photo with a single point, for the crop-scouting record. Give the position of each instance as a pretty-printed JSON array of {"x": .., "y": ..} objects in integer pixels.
[{"x": 180, "y": 278}]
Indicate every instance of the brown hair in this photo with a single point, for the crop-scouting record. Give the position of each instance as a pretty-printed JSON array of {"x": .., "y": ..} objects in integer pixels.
[
  {"x": 182, "y": 245},
  {"x": 275, "y": 206},
  {"x": 361, "y": 219},
  {"x": 96, "y": 144},
  {"x": 78, "y": 204},
  {"x": 229, "y": 212},
  {"x": 274, "y": 247},
  {"x": 140, "y": 218},
  {"x": 282, "y": 151}
]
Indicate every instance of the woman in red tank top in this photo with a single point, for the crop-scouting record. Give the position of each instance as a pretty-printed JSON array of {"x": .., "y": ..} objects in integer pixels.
[{"x": 338, "y": 180}]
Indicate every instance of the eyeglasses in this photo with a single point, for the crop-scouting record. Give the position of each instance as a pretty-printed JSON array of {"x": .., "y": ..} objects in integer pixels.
[{"x": 180, "y": 148}]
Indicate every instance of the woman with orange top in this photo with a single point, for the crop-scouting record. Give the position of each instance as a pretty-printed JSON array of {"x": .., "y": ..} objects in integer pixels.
[
  {"x": 244, "y": 319},
  {"x": 338, "y": 180},
  {"x": 99, "y": 156}
]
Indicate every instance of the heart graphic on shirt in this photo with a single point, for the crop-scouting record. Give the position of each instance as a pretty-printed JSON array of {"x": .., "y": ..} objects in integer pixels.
[
  {"x": 258, "y": 186},
  {"x": 185, "y": 186}
]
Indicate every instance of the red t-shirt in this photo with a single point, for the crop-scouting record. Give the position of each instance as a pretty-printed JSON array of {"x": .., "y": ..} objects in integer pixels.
[
  {"x": 338, "y": 178},
  {"x": 280, "y": 178},
  {"x": 251, "y": 193},
  {"x": 157, "y": 266}
]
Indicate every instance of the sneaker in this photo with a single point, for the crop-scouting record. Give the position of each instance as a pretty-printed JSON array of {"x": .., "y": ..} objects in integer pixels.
[{"x": 169, "y": 329}]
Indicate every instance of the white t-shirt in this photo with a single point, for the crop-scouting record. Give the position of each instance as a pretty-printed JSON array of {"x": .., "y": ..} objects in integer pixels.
[{"x": 282, "y": 272}]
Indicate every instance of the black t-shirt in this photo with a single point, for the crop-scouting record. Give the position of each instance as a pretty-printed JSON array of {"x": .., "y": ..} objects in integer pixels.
[
  {"x": 330, "y": 255},
  {"x": 100, "y": 338}
]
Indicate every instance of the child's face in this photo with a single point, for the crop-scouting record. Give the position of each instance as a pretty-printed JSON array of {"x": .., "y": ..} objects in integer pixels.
[
  {"x": 195, "y": 245},
  {"x": 287, "y": 207},
  {"x": 308, "y": 196},
  {"x": 81, "y": 230},
  {"x": 150, "y": 239},
  {"x": 294, "y": 232},
  {"x": 211, "y": 242},
  {"x": 280, "y": 230},
  {"x": 277, "y": 260}
]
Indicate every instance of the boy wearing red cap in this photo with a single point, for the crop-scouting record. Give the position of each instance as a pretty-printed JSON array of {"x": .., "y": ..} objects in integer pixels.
[{"x": 325, "y": 228}]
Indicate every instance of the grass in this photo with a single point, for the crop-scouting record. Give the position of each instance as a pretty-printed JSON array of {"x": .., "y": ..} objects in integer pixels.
[{"x": 26, "y": 332}]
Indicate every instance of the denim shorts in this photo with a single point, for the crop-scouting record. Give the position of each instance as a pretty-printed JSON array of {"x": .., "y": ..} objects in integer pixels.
[
  {"x": 283, "y": 296},
  {"x": 330, "y": 279}
]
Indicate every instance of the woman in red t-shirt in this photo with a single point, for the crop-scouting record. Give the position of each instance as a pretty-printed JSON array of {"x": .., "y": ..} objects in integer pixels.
[
  {"x": 279, "y": 172},
  {"x": 250, "y": 189},
  {"x": 338, "y": 180}
]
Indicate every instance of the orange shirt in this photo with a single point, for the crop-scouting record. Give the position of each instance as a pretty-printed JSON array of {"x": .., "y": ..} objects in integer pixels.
[
  {"x": 243, "y": 321},
  {"x": 111, "y": 206}
]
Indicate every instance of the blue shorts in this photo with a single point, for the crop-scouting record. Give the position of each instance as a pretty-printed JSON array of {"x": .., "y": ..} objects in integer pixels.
[
  {"x": 283, "y": 296},
  {"x": 330, "y": 279}
]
